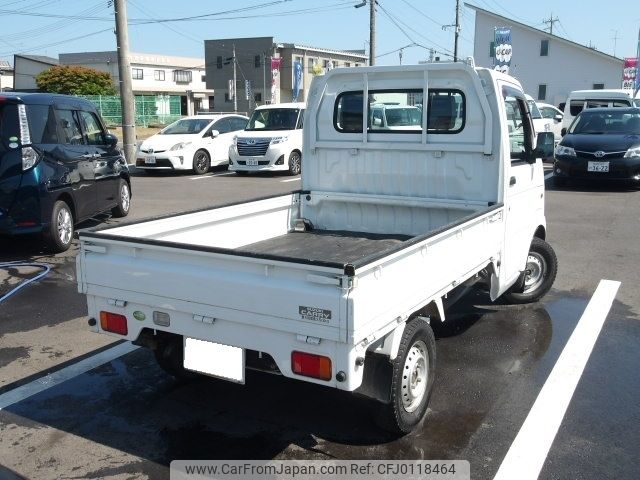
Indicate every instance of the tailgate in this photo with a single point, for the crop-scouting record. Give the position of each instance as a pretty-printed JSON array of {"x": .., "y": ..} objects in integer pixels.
[{"x": 290, "y": 297}]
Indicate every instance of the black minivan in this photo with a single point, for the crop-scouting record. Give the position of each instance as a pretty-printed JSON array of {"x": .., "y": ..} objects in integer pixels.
[{"x": 58, "y": 167}]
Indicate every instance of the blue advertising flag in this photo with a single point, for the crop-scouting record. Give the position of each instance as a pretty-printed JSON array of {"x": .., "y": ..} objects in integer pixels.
[
  {"x": 297, "y": 80},
  {"x": 504, "y": 50},
  {"x": 638, "y": 66}
]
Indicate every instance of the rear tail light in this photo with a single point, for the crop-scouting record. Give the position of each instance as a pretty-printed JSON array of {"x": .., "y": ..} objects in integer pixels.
[
  {"x": 310, "y": 365},
  {"x": 29, "y": 156},
  {"x": 114, "y": 323}
]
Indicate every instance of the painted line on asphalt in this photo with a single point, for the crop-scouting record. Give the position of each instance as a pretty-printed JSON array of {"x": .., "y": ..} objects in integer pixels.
[
  {"x": 548, "y": 176},
  {"x": 290, "y": 180},
  {"x": 41, "y": 384},
  {"x": 202, "y": 177},
  {"x": 529, "y": 450}
]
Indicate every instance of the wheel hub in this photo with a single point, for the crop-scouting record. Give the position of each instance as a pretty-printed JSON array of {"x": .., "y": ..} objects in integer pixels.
[
  {"x": 65, "y": 226},
  {"x": 415, "y": 376},
  {"x": 534, "y": 272}
]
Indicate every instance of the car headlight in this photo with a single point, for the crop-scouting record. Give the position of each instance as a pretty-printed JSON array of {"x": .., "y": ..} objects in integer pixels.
[
  {"x": 633, "y": 152},
  {"x": 179, "y": 146},
  {"x": 547, "y": 127},
  {"x": 235, "y": 140},
  {"x": 276, "y": 140},
  {"x": 567, "y": 151}
]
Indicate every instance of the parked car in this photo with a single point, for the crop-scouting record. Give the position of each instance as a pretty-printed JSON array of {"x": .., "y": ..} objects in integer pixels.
[
  {"x": 552, "y": 114},
  {"x": 192, "y": 143},
  {"x": 395, "y": 117},
  {"x": 579, "y": 100},
  {"x": 58, "y": 167},
  {"x": 601, "y": 143},
  {"x": 272, "y": 140}
]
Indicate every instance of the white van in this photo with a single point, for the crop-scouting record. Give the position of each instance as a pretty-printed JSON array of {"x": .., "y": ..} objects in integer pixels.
[
  {"x": 271, "y": 141},
  {"x": 578, "y": 100}
]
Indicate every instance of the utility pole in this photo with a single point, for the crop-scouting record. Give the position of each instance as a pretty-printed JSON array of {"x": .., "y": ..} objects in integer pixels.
[
  {"x": 615, "y": 40},
  {"x": 372, "y": 32},
  {"x": 126, "y": 89},
  {"x": 551, "y": 21},
  {"x": 400, "y": 54},
  {"x": 264, "y": 78},
  {"x": 457, "y": 32},
  {"x": 235, "y": 87}
]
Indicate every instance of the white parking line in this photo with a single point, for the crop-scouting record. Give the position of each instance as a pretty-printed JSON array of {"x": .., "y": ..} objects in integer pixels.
[
  {"x": 201, "y": 177},
  {"x": 548, "y": 175},
  {"x": 529, "y": 450},
  {"x": 43, "y": 383},
  {"x": 290, "y": 180}
]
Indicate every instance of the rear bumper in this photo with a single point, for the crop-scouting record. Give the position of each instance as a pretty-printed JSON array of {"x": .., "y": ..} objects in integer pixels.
[{"x": 9, "y": 228}]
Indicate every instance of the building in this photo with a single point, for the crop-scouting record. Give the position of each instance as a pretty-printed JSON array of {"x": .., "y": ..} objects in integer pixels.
[
  {"x": 27, "y": 68},
  {"x": 266, "y": 71},
  {"x": 154, "y": 74},
  {"x": 6, "y": 76},
  {"x": 548, "y": 66}
]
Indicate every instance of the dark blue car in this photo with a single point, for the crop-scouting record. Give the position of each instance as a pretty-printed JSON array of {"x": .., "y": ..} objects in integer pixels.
[
  {"x": 600, "y": 144},
  {"x": 58, "y": 167}
]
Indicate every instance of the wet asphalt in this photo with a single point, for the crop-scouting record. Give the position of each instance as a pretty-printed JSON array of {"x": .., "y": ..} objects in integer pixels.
[{"x": 128, "y": 419}]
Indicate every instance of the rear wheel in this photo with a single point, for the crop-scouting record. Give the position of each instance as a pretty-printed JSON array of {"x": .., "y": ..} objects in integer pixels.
[
  {"x": 170, "y": 357},
  {"x": 539, "y": 275},
  {"x": 201, "y": 162},
  {"x": 412, "y": 381},
  {"x": 295, "y": 163},
  {"x": 124, "y": 200},
  {"x": 59, "y": 236}
]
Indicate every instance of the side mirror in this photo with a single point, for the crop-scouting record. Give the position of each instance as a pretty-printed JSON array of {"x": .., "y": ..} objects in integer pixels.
[
  {"x": 214, "y": 133},
  {"x": 558, "y": 118},
  {"x": 111, "y": 140},
  {"x": 544, "y": 146},
  {"x": 563, "y": 132}
]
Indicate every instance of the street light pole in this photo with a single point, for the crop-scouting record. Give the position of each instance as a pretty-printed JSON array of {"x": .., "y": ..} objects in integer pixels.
[{"x": 372, "y": 28}]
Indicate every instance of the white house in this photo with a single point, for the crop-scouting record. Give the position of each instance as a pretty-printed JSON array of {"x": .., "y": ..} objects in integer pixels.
[
  {"x": 154, "y": 74},
  {"x": 548, "y": 66},
  {"x": 27, "y": 68},
  {"x": 6, "y": 76}
]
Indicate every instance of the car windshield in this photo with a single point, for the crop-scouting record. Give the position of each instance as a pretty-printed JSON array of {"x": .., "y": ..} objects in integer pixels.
[
  {"x": 533, "y": 108},
  {"x": 186, "y": 126},
  {"x": 397, "y": 117},
  {"x": 620, "y": 123},
  {"x": 273, "y": 119}
]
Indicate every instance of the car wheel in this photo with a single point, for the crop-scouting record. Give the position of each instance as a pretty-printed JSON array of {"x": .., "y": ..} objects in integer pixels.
[
  {"x": 559, "y": 181},
  {"x": 539, "y": 275},
  {"x": 295, "y": 163},
  {"x": 170, "y": 357},
  {"x": 59, "y": 236},
  {"x": 201, "y": 162},
  {"x": 412, "y": 380},
  {"x": 124, "y": 200}
]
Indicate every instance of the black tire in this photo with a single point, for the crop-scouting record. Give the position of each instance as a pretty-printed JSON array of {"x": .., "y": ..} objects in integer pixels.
[
  {"x": 201, "y": 162},
  {"x": 124, "y": 200},
  {"x": 59, "y": 235},
  {"x": 542, "y": 268},
  {"x": 402, "y": 415},
  {"x": 295, "y": 163},
  {"x": 559, "y": 181},
  {"x": 241, "y": 173},
  {"x": 170, "y": 357}
]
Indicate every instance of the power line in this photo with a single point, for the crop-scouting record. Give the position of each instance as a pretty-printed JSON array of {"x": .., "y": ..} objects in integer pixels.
[{"x": 46, "y": 45}]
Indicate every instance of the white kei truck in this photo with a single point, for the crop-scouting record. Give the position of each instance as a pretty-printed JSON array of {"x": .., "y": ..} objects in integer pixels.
[{"x": 337, "y": 284}]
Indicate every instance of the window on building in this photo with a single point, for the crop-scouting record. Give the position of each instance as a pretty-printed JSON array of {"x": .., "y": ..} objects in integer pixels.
[
  {"x": 158, "y": 75},
  {"x": 325, "y": 63},
  {"x": 219, "y": 61},
  {"x": 203, "y": 78},
  {"x": 137, "y": 73},
  {"x": 226, "y": 97},
  {"x": 182, "y": 76},
  {"x": 542, "y": 92},
  {"x": 598, "y": 86},
  {"x": 347, "y": 64},
  {"x": 310, "y": 63},
  {"x": 257, "y": 61},
  {"x": 544, "y": 48},
  {"x": 492, "y": 49},
  {"x": 258, "y": 97}
]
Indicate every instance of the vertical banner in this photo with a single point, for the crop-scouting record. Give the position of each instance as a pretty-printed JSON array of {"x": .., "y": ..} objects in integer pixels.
[
  {"x": 630, "y": 73},
  {"x": 247, "y": 89},
  {"x": 504, "y": 50},
  {"x": 638, "y": 65},
  {"x": 297, "y": 80},
  {"x": 232, "y": 91},
  {"x": 275, "y": 80}
]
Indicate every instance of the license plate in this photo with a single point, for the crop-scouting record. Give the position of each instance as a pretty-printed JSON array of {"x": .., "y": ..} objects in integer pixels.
[
  {"x": 252, "y": 163},
  {"x": 215, "y": 359},
  {"x": 598, "y": 167},
  {"x": 150, "y": 160}
]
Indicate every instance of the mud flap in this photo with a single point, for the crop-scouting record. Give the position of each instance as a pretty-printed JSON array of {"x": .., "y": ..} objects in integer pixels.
[{"x": 376, "y": 378}]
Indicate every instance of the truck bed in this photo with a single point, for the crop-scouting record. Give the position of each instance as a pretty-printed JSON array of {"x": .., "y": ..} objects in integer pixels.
[{"x": 325, "y": 245}]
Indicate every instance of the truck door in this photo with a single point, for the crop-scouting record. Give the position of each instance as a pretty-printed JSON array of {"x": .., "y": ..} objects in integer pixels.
[{"x": 524, "y": 184}]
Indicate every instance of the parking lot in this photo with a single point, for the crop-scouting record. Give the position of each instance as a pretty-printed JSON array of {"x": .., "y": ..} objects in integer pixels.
[{"x": 76, "y": 405}]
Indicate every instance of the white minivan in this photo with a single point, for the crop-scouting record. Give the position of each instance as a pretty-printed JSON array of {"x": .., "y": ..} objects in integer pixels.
[
  {"x": 578, "y": 100},
  {"x": 271, "y": 141}
]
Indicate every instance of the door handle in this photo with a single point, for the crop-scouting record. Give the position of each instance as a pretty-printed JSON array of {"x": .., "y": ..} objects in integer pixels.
[{"x": 512, "y": 181}]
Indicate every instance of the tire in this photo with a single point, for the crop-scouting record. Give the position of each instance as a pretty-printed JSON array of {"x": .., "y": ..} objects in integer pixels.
[
  {"x": 201, "y": 162},
  {"x": 59, "y": 236},
  {"x": 542, "y": 268},
  {"x": 412, "y": 380},
  {"x": 170, "y": 357},
  {"x": 124, "y": 200},
  {"x": 295, "y": 163},
  {"x": 559, "y": 181}
]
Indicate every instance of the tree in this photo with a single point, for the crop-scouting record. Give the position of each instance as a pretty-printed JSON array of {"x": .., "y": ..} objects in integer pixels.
[{"x": 75, "y": 80}]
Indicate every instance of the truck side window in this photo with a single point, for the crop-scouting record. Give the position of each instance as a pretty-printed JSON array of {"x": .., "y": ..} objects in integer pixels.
[
  {"x": 518, "y": 126},
  {"x": 69, "y": 131}
]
